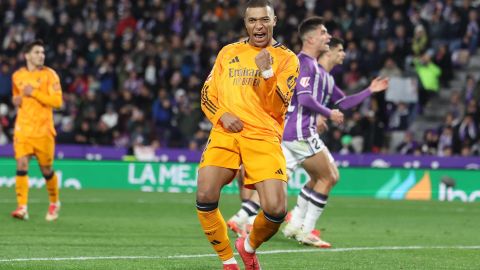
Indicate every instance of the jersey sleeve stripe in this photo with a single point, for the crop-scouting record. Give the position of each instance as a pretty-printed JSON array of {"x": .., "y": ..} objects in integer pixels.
[
  {"x": 208, "y": 103},
  {"x": 304, "y": 92},
  {"x": 209, "y": 107},
  {"x": 340, "y": 101},
  {"x": 282, "y": 97}
]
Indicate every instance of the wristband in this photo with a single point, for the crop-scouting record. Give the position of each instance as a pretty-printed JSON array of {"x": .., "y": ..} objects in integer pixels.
[{"x": 266, "y": 74}]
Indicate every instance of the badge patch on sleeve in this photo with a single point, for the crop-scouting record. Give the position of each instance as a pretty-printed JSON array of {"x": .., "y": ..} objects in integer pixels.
[{"x": 305, "y": 81}]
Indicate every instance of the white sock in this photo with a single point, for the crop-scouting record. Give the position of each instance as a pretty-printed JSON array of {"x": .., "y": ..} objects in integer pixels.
[
  {"x": 300, "y": 210},
  {"x": 251, "y": 219},
  {"x": 230, "y": 261},
  {"x": 240, "y": 217},
  {"x": 248, "y": 247},
  {"x": 314, "y": 210}
]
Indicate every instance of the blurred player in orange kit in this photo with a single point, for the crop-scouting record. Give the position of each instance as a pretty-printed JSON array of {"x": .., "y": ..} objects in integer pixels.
[
  {"x": 246, "y": 97},
  {"x": 36, "y": 92}
]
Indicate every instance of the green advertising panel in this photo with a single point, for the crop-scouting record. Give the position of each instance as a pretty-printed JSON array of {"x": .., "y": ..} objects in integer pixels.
[{"x": 391, "y": 183}]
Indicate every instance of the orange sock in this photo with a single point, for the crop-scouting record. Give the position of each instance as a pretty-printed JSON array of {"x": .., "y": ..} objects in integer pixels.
[
  {"x": 52, "y": 188},
  {"x": 264, "y": 227},
  {"x": 215, "y": 229},
  {"x": 21, "y": 188}
]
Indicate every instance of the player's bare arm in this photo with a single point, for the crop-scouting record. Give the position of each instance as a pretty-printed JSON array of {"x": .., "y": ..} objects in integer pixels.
[
  {"x": 379, "y": 84},
  {"x": 231, "y": 122}
]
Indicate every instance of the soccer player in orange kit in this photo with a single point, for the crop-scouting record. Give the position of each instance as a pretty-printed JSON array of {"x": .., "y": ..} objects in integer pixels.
[
  {"x": 246, "y": 97},
  {"x": 36, "y": 92}
]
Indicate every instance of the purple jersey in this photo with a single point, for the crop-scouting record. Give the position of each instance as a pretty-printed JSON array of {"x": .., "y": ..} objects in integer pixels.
[{"x": 313, "y": 80}]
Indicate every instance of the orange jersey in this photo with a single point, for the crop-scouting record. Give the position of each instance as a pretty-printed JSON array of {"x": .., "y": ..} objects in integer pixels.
[
  {"x": 236, "y": 85},
  {"x": 35, "y": 116}
]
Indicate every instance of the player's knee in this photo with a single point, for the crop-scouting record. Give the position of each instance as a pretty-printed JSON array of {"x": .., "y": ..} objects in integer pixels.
[
  {"x": 334, "y": 177},
  {"x": 202, "y": 196},
  {"x": 48, "y": 175},
  {"x": 22, "y": 165},
  {"x": 22, "y": 172},
  {"x": 47, "y": 171},
  {"x": 206, "y": 196},
  {"x": 275, "y": 209},
  {"x": 275, "y": 218}
]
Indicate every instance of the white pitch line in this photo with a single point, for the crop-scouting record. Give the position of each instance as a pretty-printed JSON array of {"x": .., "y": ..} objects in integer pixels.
[{"x": 310, "y": 250}]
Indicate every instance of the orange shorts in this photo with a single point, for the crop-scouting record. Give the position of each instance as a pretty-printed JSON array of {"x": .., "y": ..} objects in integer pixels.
[
  {"x": 43, "y": 148},
  {"x": 261, "y": 159}
]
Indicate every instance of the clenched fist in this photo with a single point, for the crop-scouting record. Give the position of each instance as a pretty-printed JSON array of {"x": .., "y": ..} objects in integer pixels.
[{"x": 263, "y": 60}]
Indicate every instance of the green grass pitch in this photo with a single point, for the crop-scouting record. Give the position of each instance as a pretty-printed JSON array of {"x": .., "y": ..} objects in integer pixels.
[{"x": 111, "y": 229}]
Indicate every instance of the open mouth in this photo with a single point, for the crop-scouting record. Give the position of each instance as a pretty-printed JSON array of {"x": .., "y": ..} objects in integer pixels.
[{"x": 259, "y": 36}]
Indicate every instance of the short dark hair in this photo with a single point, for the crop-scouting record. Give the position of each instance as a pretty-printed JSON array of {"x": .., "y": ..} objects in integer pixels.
[
  {"x": 308, "y": 25},
  {"x": 29, "y": 46},
  {"x": 258, "y": 3},
  {"x": 334, "y": 42}
]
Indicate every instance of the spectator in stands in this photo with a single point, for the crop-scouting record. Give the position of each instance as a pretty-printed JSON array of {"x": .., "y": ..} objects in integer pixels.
[
  {"x": 449, "y": 121},
  {"x": 443, "y": 59},
  {"x": 5, "y": 83},
  {"x": 399, "y": 118},
  {"x": 4, "y": 123},
  {"x": 110, "y": 117},
  {"x": 84, "y": 135},
  {"x": 473, "y": 31},
  {"x": 465, "y": 133},
  {"x": 419, "y": 41},
  {"x": 408, "y": 145},
  {"x": 430, "y": 143},
  {"x": 437, "y": 29},
  {"x": 162, "y": 114},
  {"x": 466, "y": 150},
  {"x": 374, "y": 133},
  {"x": 66, "y": 133},
  {"x": 429, "y": 75},
  {"x": 371, "y": 63},
  {"x": 353, "y": 77},
  {"x": 446, "y": 152},
  {"x": 455, "y": 30},
  {"x": 471, "y": 90},
  {"x": 347, "y": 147},
  {"x": 472, "y": 109},
  {"x": 456, "y": 106},
  {"x": 392, "y": 52},
  {"x": 103, "y": 134},
  {"x": 390, "y": 69}
]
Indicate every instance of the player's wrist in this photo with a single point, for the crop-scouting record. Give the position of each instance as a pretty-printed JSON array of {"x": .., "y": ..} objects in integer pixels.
[{"x": 267, "y": 74}]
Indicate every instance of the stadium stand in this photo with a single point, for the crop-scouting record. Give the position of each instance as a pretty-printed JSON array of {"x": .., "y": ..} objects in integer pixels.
[{"x": 132, "y": 70}]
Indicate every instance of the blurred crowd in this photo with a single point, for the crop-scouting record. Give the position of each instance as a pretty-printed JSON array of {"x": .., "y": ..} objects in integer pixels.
[{"x": 132, "y": 71}]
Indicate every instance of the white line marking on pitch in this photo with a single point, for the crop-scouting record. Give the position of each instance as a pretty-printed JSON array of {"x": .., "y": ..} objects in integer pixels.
[{"x": 214, "y": 255}]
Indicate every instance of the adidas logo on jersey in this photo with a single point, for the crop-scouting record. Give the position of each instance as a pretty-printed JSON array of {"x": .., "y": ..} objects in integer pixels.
[
  {"x": 279, "y": 171},
  {"x": 234, "y": 60}
]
